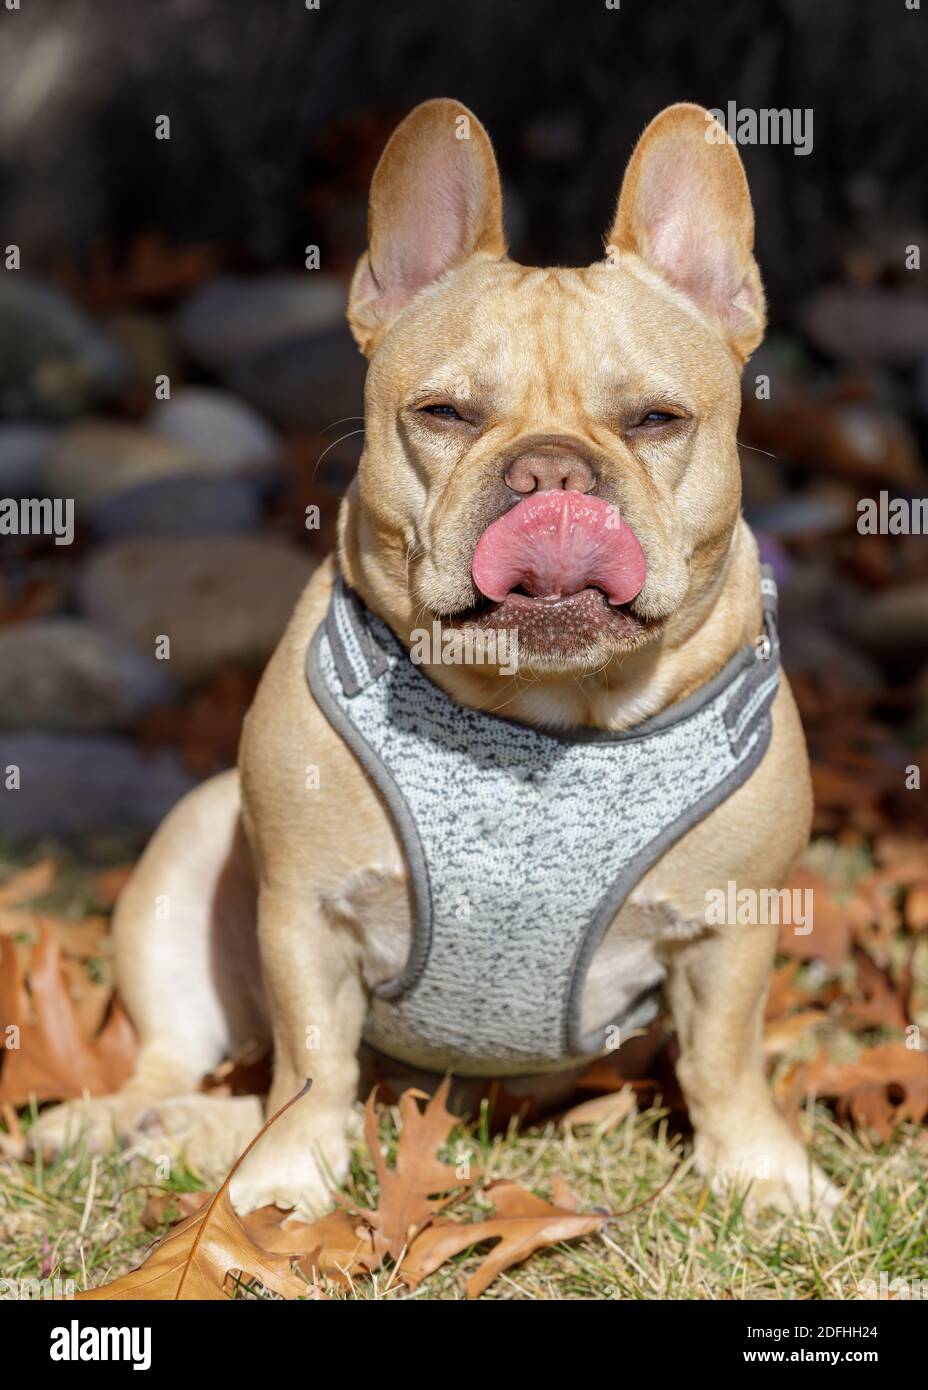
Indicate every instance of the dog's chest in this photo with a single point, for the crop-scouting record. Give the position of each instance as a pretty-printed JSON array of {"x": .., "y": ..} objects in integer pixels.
[{"x": 375, "y": 903}]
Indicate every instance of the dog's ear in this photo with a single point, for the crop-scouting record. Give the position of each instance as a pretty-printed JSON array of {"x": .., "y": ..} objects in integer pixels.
[
  {"x": 435, "y": 201},
  {"x": 685, "y": 210}
]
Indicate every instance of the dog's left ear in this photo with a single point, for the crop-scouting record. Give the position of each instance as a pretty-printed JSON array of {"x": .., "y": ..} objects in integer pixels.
[
  {"x": 685, "y": 210},
  {"x": 435, "y": 201}
]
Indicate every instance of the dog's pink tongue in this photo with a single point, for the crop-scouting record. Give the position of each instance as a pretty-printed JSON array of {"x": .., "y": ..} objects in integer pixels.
[{"x": 557, "y": 543}]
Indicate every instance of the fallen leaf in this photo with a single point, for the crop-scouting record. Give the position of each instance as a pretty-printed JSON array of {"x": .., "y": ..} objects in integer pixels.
[
  {"x": 916, "y": 908},
  {"x": 602, "y": 1113},
  {"x": 882, "y": 1005},
  {"x": 418, "y": 1187},
  {"x": 173, "y": 1207},
  {"x": 197, "y": 1257},
  {"x": 780, "y": 1034},
  {"x": 54, "y": 1059},
  {"x": 338, "y": 1245},
  {"x": 109, "y": 883},
  {"x": 884, "y": 1086},
  {"x": 27, "y": 884},
  {"x": 522, "y": 1224},
  {"x": 830, "y": 937}
]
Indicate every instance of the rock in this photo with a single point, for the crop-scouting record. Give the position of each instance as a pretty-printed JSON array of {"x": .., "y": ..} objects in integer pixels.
[
  {"x": 892, "y": 627},
  {"x": 218, "y": 598},
  {"x": 54, "y": 362},
  {"x": 23, "y": 452},
  {"x": 308, "y": 383},
  {"x": 232, "y": 317},
  {"x": 181, "y": 507},
  {"x": 809, "y": 650},
  {"x": 146, "y": 341},
  {"x": 97, "y": 459},
  {"x": 821, "y": 513},
  {"x": 67, "y": 674},
  {"x": 131, "y": 481},
  {"x": 74, "y": 786},
  {"x": 216, "y": 426},
  {"x": 867, "y": 325}
]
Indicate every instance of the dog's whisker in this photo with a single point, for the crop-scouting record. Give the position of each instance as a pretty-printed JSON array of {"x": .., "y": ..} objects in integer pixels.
[{"x": 340, "y": 440}]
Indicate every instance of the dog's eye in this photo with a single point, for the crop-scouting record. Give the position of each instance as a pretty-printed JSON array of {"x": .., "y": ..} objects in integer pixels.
[
  {"x": 657, "y": 417},
  {"x": 443, "y": 412}
]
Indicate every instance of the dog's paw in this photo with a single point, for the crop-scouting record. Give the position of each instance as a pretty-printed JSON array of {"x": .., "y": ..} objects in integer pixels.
[
  {"x": 207, "y": 1132},
  {"x": 304, "y": 1178},
  {"x": 774, "y": 1176},
  {"x": 101, "y": 1124}
]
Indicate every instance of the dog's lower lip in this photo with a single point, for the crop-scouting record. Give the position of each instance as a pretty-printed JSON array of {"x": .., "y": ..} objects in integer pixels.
[{"x": 517, "y": 598}]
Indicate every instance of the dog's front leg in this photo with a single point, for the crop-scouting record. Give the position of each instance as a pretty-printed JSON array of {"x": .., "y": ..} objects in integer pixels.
[
  {"x": 313, "y": 979},
  {"x": 717, "y": 988}
]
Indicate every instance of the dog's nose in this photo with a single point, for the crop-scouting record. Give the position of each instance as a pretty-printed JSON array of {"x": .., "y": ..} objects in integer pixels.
[{"x": 540, "y": 471}]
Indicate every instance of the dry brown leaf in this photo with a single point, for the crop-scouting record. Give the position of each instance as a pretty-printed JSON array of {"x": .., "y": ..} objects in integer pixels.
[
  {"x": 197, "y": 1257},
  {"x": 783, "y": 993},
  {"x": 830, "y": 937},
  {"x": 338, "y": 1245},
  {"x": 109, "y": 883},
  {"x": 55, "y": 1059},
  {"x": 603, "y": 1113},
  {"x": 79, "y": 937},
  {"x": 418, "y": 1187},
  {"x": 29, "y": 883},
  {"x": 884, "y": 1086},
  {"x": 882, "y": 1006},
  {"x": 916, "y": 908},
  {"x": 174, "y": 1205},
  {"x": 522, "y": 1224},
  {"x": 780, "y": 1034}
]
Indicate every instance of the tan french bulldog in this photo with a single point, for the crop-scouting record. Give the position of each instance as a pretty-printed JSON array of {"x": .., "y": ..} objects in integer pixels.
[{"x": 549, "y": 452}]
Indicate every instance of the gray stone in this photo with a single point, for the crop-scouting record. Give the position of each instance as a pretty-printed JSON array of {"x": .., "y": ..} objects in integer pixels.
[
  {"x": 78, "y": 785},
  {"x": 892, "y": 627},
  {"x": 218, "y": 598},
  {"x": 65, "y": 675},
  {"x": 308, "y": 383},
  {"x": 232, "y": 317},
  {"x": 54, "y": 361},
  {"x": 217, "y": 427},
  {"x": 23, "y": 452},
  {"x": 181, "y": 507},
  {"x": 867, "y": 325},
  {"x": 806, "y": 514},
  {"x": 97, "y": 459},
  {"x": 147, "y": 341}
]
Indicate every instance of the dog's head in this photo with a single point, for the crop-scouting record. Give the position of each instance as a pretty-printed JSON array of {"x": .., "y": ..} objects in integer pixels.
[{"x": 550, "y": 449}]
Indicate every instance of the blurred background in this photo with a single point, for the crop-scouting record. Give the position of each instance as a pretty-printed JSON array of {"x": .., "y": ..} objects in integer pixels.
[{"x": 141, "y": 257}]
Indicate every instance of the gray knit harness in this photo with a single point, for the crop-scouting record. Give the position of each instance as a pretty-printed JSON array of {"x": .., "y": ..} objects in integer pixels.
[{"x": 523, "y": 844}]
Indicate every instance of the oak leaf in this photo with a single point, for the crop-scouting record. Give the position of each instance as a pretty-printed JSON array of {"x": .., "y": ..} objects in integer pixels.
[
  {"x": 51, "y": 1057},
  {"x": 522, "y": 1223},
  {"x": 197, "y": 1257}
]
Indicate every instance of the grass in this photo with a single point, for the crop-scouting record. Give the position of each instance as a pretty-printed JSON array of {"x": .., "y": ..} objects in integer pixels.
[{"x": 80, "y": 1219}]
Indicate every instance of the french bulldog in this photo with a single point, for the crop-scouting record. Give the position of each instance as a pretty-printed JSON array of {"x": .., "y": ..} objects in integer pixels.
[{"x": 549, "y": 453}]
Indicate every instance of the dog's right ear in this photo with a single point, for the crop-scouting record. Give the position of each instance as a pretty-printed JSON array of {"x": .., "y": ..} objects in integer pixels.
[{"x": 435, "y": 201}]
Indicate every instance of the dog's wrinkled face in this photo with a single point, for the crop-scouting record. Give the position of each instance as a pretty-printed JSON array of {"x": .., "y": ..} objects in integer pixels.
[{"x": 550, "y": 450}]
